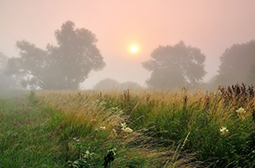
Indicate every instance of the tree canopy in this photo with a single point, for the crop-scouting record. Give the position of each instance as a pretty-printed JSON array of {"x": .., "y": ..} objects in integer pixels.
[
  {"x": 107, "y": 84},
  {"x": 63, "y": 66},
  {"x": 237, "y": 64},
  {"x": 6, "y": 81},
  {"x": 130, "y": 85},
  {"x": 175, "y": 66},
  {"x": 111, "y": 84}
]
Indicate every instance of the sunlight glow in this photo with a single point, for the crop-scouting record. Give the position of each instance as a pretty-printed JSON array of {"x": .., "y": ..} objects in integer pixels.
[{"x": 134, "y": 48}]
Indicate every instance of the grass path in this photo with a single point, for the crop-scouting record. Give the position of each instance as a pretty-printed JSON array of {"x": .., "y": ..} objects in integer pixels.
[{"x": 25, "y": 139}]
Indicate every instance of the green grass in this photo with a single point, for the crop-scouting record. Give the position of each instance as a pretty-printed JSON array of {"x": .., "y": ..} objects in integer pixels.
[
  {"x": 176, "y": 129},
  {"x": 25, "y": 136}
]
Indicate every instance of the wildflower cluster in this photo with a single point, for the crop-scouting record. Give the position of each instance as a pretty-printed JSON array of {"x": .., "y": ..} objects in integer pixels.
[
  {"x": 125, "y": 128},
  {"x": 241, "y": 112},
  {"x": 223, "y": 130},
  {"x": 102, "y": 128}
]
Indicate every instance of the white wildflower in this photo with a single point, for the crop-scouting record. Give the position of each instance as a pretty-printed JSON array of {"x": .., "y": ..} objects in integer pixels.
[
  {"x": 127, "y": 130},
  {"x": 102, "y": 128},
  {"x": 223, "y": 130},
  {"x": 123, "y": 125},
  {"x": 87, "y": 152},
  {"x": 112, "y": 150},
  {"x": 77, "y": 140},
  {"x": 241, "y": 112}
]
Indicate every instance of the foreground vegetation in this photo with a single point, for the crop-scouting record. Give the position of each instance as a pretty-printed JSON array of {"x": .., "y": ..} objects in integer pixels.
[{"x": 129, "y": 129}]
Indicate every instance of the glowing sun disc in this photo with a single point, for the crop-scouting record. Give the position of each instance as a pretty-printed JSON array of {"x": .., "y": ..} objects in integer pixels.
[{"x": 134, "y": 49}]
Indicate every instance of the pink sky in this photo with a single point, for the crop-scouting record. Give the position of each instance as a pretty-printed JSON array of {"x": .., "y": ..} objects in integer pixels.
[{"x": 211, "y": 25}]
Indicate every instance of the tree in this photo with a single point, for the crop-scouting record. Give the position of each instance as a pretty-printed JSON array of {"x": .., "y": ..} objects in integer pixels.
[
  {"x": 237, "y": 64},
  {"x": 6, "y": 81},
  {"x": 175, "y": 66},
  {"x": 130, "y": 85},
  {"x": 107, "y": 84},
  {"x": 3, "y": 60},
  {"x": 64, "y": 66},
  {"x": 111, "y": 84}
]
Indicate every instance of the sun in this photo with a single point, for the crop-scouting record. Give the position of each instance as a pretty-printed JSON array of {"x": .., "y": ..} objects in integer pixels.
[{"x": 134, "y": 49}]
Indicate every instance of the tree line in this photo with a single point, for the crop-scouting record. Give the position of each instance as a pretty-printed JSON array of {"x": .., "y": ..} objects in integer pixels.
[{"x": 68, "y": 64}]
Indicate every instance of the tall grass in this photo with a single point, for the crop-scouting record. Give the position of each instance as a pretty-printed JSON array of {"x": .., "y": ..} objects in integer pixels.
[
  {"x": 85, "y": 113},
  {"x": 166, "y": 120},
  {"x": 169, "y": 129}
]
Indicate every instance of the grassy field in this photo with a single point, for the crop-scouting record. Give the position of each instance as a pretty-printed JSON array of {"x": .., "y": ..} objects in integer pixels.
[{"x": 129, "y": 129}]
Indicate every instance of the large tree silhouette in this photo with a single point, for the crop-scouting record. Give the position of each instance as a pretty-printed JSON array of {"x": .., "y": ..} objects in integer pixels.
[
  {"x": 237, "y": 64},
  {"x": 175, "y": 66},
  {"x": 63, "y": 66}
]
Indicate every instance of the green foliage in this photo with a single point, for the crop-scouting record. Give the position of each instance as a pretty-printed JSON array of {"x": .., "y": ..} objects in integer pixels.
[
  {"x": 175, "y": 66},
  {"x": 63, "y": 66},
  {"x": 85, "y": 157}
]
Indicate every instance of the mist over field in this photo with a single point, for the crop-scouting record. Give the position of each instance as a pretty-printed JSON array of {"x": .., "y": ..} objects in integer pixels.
[
  {"x": 70, "y": 45},
  {"x": 132, "y": 83}
]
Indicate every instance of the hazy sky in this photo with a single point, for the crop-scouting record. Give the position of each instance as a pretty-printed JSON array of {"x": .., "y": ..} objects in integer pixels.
[{"x": 211, "y": 25}]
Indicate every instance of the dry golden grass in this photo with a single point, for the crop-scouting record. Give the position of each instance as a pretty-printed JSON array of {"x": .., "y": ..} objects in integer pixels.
[
  {"x": 93, "y": 110},
  {"x": 170, "y": 129}
]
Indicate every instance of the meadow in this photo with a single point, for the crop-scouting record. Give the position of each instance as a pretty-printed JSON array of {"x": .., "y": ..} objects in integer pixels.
[{"x": 128, "y": 128}]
